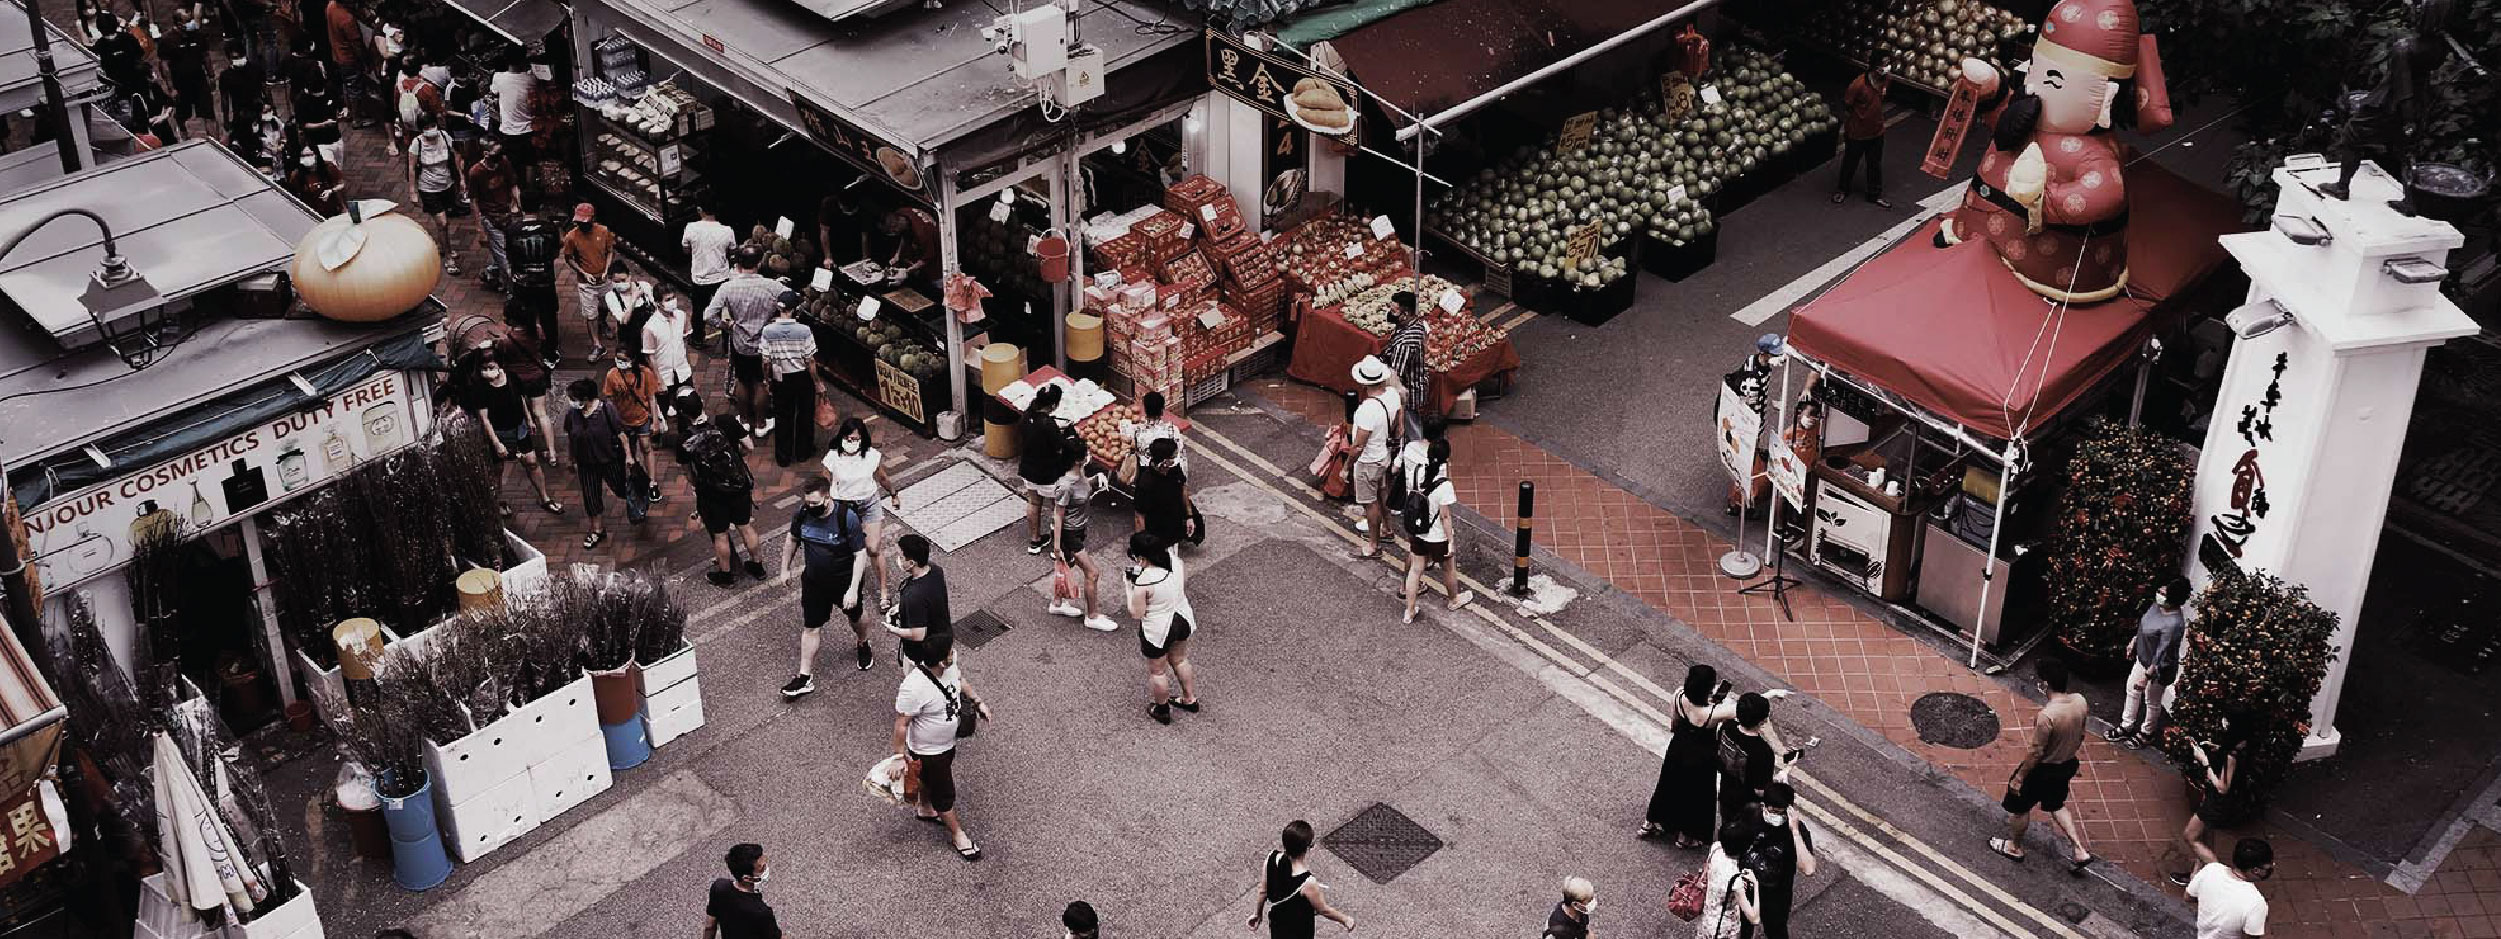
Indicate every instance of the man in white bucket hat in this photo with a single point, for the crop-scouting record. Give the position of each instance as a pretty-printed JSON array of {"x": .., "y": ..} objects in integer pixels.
[{"x": 1377, "y": 423}]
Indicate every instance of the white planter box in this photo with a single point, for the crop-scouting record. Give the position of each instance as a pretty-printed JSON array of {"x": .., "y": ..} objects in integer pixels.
[
  {"x": 162, "y": 918},
  {"x": 677, "y": 667},
  {"x": 569, "y": 778},
  {"x": 553, "y": 723},
  {"x": 327, "y": 687},
  {"x": 488, "y": 820},
  {"x": 296, "y": 920},
  {"x": 674, "y": 712},
  {"x": 529, "y": 566}
]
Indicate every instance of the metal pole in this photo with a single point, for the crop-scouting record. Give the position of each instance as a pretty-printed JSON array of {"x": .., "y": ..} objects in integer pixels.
[
  {"x": 1988, "y": 562},
  {"x": 54, "y": 98},
  {"x": 1519, "y": 543},
  {"x": 948, "y": 264},
  {"x": 1415, "y": 246},
  {"x": 1771, "y": 513},
  {"x": 1065, "y": 187},
  {"x": 2144, "y": 372},
  {"x": 259, "y": 566},
  {"x": 1568, "y": 62}
]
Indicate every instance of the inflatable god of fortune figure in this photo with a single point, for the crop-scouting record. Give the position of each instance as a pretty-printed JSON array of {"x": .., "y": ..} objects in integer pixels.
[{"x": 2049, "y": 196}]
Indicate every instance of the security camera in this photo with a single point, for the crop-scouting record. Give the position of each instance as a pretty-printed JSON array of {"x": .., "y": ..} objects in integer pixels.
[{"x": 2258, "y": 319}]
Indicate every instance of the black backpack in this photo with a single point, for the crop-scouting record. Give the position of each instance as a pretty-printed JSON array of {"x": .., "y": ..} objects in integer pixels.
[
  {"x": 718, "y": 466},
  {"x": 1415, "y": 503}
]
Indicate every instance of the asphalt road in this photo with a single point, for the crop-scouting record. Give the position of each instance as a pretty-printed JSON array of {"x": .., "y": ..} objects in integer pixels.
[{"x": 1524, "y": 744}]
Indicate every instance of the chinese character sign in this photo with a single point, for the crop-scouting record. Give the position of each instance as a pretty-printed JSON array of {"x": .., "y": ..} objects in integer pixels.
[
  {"x": 1950, "y": 130},
  {"x": 1318, "y": 101},
  {"x": 2220, "y": 550}
]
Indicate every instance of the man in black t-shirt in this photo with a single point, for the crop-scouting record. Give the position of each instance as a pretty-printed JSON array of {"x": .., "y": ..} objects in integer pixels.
[
  {"x": 715, "y": 455},
  {"x": 1782, "y": 851},
  {"x": 920, "y": 612},
  {"x": 737, "y": 909},
  {"x": 531, "y": 244}
]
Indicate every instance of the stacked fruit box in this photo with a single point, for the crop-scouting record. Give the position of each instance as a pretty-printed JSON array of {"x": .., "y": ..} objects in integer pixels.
[{"x": 1205, "y": 203}]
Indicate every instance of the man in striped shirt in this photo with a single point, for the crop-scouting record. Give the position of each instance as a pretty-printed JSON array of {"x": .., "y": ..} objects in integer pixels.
[
  {"x": 1406, "y": 357},
  {"x": 741, "y": 308},
  {"x": 789, "y": 348}
]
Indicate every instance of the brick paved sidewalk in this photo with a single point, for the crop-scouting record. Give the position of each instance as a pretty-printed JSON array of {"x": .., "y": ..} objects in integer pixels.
[{"x": 2131, "y": 808}]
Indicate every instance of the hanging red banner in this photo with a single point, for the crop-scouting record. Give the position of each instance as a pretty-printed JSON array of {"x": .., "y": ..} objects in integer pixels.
[{"x": 1950, "y": 129}]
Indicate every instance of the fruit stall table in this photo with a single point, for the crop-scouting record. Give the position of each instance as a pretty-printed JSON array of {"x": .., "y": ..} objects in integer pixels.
[
  {"x": 1327, "y": 346},
  {"x": 1105, "y": 447},
  {"x": 890, "y": 361}
]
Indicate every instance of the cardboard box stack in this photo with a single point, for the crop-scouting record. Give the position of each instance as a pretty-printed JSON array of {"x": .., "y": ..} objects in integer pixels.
[{"x": 1183, "y": 286}]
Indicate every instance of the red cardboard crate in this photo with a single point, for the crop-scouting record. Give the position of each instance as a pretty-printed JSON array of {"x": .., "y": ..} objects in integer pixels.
[{"x": 1190, "y": 270}]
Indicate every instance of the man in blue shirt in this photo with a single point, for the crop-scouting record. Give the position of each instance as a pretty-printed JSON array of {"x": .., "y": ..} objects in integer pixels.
[
  {"x": 2153, "y": 664},
  {"x": 836, "y": 558}
]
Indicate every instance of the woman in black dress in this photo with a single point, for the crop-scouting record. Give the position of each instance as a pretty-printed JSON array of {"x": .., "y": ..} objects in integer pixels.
[
  {"x": 2221, "y": 802},
  {"x": 1684, "y": 798},
  {"x": 1163, "y": 501},
  {"x": 1290, "y": 898}
]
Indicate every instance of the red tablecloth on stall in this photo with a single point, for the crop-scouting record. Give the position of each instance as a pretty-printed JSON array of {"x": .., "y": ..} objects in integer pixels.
[{"x": 1326, "y": 348}]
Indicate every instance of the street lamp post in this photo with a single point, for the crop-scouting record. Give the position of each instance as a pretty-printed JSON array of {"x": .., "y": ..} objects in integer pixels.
[{"x": 53, "y": 97}]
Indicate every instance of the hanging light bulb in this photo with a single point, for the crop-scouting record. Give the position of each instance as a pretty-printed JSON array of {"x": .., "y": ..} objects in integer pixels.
[
  {"x": 1119, "y": 147},
  {"x": 1007, "y": 196},
  {"x": 1190, "y": 122}
]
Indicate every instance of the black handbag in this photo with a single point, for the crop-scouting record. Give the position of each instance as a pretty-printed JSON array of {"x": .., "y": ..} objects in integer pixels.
[{"x": 967, "y": 708}]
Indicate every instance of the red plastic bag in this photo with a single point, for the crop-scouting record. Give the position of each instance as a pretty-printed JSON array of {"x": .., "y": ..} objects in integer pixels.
[{"x": 1063, "y": 586}]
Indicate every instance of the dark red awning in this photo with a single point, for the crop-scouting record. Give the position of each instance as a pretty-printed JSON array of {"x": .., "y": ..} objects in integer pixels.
[{"x": 1436, "y": 56}]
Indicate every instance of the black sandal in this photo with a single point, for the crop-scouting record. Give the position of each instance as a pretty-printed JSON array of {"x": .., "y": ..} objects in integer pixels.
[
  {"x": 970, "y": 852},
  {"x": 553, "y": 507},
  {"x": 1190, "y": 706},
  {"x": 593, "y": 539}
]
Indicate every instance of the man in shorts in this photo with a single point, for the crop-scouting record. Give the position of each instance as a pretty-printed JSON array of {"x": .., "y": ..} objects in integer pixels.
[
  {"x": 741, "y": 308},
  {"x": 1374, "y": 438},
  {"x": 2043, "y": 778},
  {"x": 715, "y": 456},
  {"x": 835, "y": 562},
  {"x": 590, "y": 249}
]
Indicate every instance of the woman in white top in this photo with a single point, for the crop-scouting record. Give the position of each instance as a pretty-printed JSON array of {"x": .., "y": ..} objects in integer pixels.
[
  {"x": 1157, "y": 427},
  {"x": 664, "y": 343},
  {"x": 859, "y": 475},
  {"x": 1165, "y": 622},
  {"x": 1731, "y": 906},
  {"x": 1426, "y": 469}
]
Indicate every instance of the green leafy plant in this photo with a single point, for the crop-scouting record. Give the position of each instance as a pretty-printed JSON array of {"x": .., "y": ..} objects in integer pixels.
[
  {"x": 2257, "y": 652},
  {"x": 2122, "y": 527}
]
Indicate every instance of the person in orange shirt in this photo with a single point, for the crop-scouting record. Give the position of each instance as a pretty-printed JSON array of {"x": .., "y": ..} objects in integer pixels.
[
  {"x": 347, "y": 46},
  {"x": 1862, "y": 134}
]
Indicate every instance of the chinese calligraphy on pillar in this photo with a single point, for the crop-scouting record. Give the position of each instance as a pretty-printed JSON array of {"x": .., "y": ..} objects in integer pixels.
[{"x": 2233, "y": 527}]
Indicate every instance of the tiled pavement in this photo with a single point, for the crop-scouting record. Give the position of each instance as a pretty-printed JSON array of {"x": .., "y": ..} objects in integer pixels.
[{"x": 2131, "y": 806}]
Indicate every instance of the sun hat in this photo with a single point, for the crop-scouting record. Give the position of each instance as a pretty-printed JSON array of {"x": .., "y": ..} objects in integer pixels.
[{"x": 1370, "y": 371}]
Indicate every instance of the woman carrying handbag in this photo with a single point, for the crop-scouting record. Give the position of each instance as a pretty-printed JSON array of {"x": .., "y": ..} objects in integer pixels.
[
  {"x": 934, "y": 710},
  {"x": 1732, "y": 908}
]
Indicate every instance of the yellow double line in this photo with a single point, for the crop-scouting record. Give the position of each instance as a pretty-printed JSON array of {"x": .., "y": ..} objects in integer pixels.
[{"x": 1861, "y": 827}]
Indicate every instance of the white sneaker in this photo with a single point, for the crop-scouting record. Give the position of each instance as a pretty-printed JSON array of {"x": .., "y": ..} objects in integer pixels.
[
  {"x": 1067, "y": 609},
  {"x": 1363, "y": 527},
  {"x": 1101, "y": 624},
  {"x": 766, "y": 430}
]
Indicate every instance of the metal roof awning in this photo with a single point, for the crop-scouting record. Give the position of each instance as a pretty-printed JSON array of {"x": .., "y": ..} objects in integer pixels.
[
  {"x": 521, "y": 21},
  {"x": 915, "y": 79},
  {"x": 21, "y": 86},
  {"x": 1455, "y": 55},
  {"x": 188, "y": 218}
]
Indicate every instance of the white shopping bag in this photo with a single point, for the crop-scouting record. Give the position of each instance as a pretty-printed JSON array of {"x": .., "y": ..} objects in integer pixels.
[{"x": 885, "y": 780}]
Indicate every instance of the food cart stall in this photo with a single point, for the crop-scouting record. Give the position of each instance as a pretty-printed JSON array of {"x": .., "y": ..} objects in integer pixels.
[{"x": 1945, "y": 412}]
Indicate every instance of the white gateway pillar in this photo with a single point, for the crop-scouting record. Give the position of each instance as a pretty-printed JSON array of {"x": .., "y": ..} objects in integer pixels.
[{"x": 2344, "y": 300}]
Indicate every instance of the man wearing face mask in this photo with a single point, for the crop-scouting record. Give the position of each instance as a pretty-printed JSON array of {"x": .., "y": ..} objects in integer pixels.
[
  {"x": 836, "y": 563},
  {"x": 737, "y": 909},
  {"x": 243, "y": 90},
  {"x": 1570, "y": 919},
  {"x": 434, "y": 171},
  {"x": 588, "y": 249},
  {"x": 531, "y": 245},
  {"x": 185, "y": 54},
  {"x": 1783, "y": 850}
]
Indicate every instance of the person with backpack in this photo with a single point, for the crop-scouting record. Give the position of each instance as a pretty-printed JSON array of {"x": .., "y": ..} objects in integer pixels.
[
  {"x": 714, "y": 453},
  {"x": 600, "y": 459},
  {"x": 1750, "y": 758},
  {"x": 1426, "y": 497},
  {"x": 1161, "y": 495},
  {"x": 835, "y": 563},
  {"x": 1374, "y": 440},
  {"x": 434, "y": 171},
  {"x": 491, "y": 190},
  {"x": 1732, "y": 903},
  {"x": 1043, "y": 458},
  {"x": 412, "y": 97},
  {"x": 531, "y": 245}
]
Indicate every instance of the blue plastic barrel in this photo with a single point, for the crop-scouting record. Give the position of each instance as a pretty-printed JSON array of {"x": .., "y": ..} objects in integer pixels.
[
  {"x": 629, "y": 743},
  {"x": 418, "y": 861}
]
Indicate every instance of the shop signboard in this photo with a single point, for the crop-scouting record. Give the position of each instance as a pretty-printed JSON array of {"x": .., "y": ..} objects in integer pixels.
[
  {"x": 91, "y": 531},
  {"x": 1788, "y": 470},
  {"x": 1739, "y": 426},
  {"x": 27, "y": 840},
  {"x": 1318, "y": 101},
  {"x": 897, "y": 389},
  {"x": 861, "y": 148}
]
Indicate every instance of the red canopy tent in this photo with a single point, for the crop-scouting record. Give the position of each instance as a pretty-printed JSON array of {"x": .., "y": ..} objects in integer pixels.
[{"x": 1952, "y": 331}]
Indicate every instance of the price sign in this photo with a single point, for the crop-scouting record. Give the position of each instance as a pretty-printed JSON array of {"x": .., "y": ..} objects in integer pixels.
[
  {"x": 1000, "y": 212},
  {"x": 783, "y": 226},
  {"x": 1452, "y": 301},
  {"x": 823, "y": 279},
  {"x": 868, "y": 308},
  {"x": 1676, "y": 194},
  {"x": 1710, "y": 95},
  {"x": 1676, "y": 91},
  {"x": 1382, "y": 227},
  {"x": 1583, "y": 246},
  {"x": 1788, "y": 471},
  {"x": 1576, "y": 132},
  {"x": 1353, "y": 251},
  {"x": 897, "y": 389},
  {"x": 1738, "y": 427},
  {"x": 672, "y": 160}
]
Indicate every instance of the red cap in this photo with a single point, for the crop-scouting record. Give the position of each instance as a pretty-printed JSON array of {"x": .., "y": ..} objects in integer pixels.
[{"x": 583, "y": 212}]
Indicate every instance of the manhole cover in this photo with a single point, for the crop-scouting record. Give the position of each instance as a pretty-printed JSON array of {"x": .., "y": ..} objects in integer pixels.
[
  {"x": 1381, "y": 843},
  {"x": 981, "y": 627},
  {"x": 2454, "y": 481},
  {"x": 1953, "y": 720}
]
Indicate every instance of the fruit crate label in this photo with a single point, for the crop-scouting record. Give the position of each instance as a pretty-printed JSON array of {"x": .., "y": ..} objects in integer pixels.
[
  {"x": 1676, "y": 194},
  {"x": 823, "y": 279},
  {"x": 1576, "y": 132},
  {"x": 897, "y": 389},
  {"x": 1498, "y": 279},
  {"x": 1950, "y": 129},
  {"x": 1676, "y": 91},
  {"x": 1584, "y": 244}
]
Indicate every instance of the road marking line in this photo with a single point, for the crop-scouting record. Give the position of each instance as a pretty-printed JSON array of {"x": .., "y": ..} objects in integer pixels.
[
  {"x": 1826, "y": 793},
  {"x": 1772, "y": 304}
]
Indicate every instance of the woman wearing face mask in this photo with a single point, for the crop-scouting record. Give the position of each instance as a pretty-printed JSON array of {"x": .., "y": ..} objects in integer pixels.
[
  {"x": 1165, "y": 623},
  {"x": 597, "y": 438},
  {"x": 318, "y": 182},
  {"x": 633, "y": 391},
  {"x": 434, "y": 172},
  {"x": 624, "y": 306},
  {"x": 859, "y": 474},
  {"x": 495, "y": 400}
]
